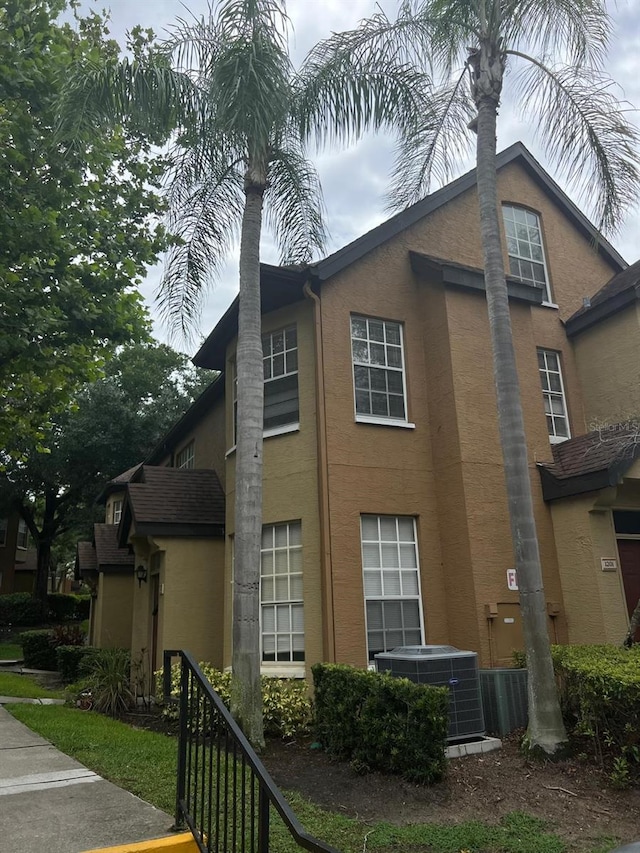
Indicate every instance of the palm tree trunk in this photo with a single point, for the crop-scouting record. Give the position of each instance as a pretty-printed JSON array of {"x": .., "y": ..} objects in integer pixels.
[
  {"x": 246, "y": 699},
  {"x": 546, "y": 729}
]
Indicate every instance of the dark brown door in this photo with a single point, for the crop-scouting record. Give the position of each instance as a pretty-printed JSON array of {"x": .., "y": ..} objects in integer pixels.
[{"x": 629, "y": 551}]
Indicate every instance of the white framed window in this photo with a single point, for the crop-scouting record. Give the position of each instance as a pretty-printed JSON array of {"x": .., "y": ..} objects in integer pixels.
[
  {"x": 555, "y": 407},
  {"x": 378, "y": 371},
  {"x": 23, "y": 534},
  {"x": 393, "y": 605},
  {"x": 280, "y": 370},
  {"x": 185, "y": 458},
  {"x": 525, "y": 249},
  {"x": 3, "y": 531},
  {"x": 117, "y": 511},
  {"x": 281, "y": 605}
]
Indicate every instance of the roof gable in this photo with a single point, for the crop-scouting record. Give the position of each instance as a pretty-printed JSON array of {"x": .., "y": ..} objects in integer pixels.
[{"x": 621, "y": 290}]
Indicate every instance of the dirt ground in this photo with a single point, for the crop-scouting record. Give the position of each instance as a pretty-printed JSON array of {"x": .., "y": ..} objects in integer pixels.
[{"x": 571, "y": 795}]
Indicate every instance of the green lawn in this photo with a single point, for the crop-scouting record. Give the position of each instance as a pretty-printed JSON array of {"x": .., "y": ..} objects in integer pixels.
[
  {"x": 10, "y": 651},
  {"x": 13, "y": 684},
  {"x": 145, "y": 763}
]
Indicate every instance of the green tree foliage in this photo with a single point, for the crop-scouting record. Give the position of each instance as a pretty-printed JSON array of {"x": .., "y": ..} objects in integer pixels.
[
  {"x": 77, "y": 227},
  {"x": 112, "y": 425}
]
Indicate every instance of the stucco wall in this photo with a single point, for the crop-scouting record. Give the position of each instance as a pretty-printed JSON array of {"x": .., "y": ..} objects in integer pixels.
[
  {"x": 290, "y": 490},
  {"x": 114, "y": 611},
  {"x": 608, "y": 360},
  {"x": 594, "y": 600}
]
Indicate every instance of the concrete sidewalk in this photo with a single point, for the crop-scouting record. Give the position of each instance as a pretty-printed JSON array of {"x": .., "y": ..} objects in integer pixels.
[{"x": 50, "y": 803}]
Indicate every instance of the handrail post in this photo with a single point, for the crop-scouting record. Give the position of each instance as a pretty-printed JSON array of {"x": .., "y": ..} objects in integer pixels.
[
  {"x": 263, "y": 820},
  {"x": 182, "y": 743}
]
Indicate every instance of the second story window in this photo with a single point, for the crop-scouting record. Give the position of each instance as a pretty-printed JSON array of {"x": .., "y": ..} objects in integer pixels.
[
  {"x": 555, "y": 407},
  {"x": 117, "y": 511},
  {"x": 524, "y": 247},
  {"x": 378, "y": 370},
  {"x": 185, "y": 458},
  {"x": 23, "y": 534},
  {"x": 280, "y": 369}
]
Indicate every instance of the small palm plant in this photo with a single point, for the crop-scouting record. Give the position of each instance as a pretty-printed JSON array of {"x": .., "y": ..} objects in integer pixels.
[{"x": 106, "y": 676}]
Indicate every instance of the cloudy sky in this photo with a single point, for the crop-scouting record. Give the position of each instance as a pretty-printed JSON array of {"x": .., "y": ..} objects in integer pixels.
[{"x": 354, "y": 181}]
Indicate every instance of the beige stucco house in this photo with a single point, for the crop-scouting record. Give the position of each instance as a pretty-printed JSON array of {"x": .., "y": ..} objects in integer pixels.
[{"x": 384, "y": 512}]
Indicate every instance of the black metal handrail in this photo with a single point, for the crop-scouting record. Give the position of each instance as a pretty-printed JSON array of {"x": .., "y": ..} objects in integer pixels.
[{"x": 224, "y": 792}]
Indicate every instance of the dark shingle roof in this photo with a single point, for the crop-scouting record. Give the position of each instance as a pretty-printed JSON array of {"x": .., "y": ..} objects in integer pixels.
[
  {"x": 86, "y": 559},
  {"x": 109, "y": 554},
  {"x": 590, "y": 462},
  {"x": 615, "y": 295},
  {"x": 118, "y": 484},
  {"x": 175, "y": 501}
]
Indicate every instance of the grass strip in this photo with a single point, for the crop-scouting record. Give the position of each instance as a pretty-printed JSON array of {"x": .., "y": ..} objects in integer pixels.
[
  {"x": 145, "y": 763},
  {"x": 21, "y": 686},
  {"x": 10, "y": 651}
]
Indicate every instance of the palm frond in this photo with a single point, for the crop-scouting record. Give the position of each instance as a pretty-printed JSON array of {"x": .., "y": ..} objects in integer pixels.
[
  {"x": 293, "y": 203},
  {"x": 434, "y": 148},
  {"x": 150, "y": 97},
  {"x": 207, "y": 197},
  {"x": 583, "y": 128},
  {"x": 451, "y": 28},
  {"x": 576, "y": 30}
]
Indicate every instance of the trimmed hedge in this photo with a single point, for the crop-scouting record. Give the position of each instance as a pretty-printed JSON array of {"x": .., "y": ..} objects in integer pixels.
[
  {"x": 37, "y": 649},
  {"x": 381, "y": 722},
  {"x": 20, "y": 608},
  {"x": 71, "y": 661},
  {"x": 286, "y": 707}
]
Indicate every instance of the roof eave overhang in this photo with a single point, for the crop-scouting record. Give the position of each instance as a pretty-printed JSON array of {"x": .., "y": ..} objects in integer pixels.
[
  {"x": 574, "y": 326},
  {"x": 468, "y": 278},
  {"x": 179, "y": 530},
  {"x": 554, "y": 488},
  {"x": 279, "y": 287}
]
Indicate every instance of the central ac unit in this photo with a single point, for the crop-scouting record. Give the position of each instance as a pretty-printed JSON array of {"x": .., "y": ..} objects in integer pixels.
[{"x": 443, "y": 666}]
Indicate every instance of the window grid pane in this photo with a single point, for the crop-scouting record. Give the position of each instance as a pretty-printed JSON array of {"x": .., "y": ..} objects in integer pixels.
[
  {"x": 391, "y": 582},
  {"x": 282, "y": 612},
  {"x": 524, "y": 247},
  {"x": 553, "y": 394},
  {"x": 378, "y": 368},
  {"x": 186, "y": 457}
]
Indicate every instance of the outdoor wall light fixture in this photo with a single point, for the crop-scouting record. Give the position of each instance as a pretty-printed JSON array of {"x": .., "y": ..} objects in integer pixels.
[{"x": 141, "y": 574}]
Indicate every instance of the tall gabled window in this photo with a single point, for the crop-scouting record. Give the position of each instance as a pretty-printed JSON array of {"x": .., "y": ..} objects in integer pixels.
[
  {"x": 378, "y": 370},
  {"x": 186, "y": 457},
  {"x": 23, "y": 534},
  {"x": 525, "y": 249},
  {"x": 555, "y": 407},
  {"x": 280, "y": 370},
  {"x": 117, "y": 511},
  {"x": 391, "y": 582},
  {"x": 282, "y": 610}
]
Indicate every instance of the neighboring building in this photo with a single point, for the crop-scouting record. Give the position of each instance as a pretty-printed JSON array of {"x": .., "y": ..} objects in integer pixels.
[
  {"x": 385, "y": 516},
  {"x": 17, "y": 556}
]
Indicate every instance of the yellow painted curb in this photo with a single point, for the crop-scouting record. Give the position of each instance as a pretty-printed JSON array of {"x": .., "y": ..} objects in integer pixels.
[{"x": 182, "y": 843}]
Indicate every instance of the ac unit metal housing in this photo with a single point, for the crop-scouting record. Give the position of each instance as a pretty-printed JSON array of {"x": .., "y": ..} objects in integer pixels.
[
  {"x": 443, "y": 666},
  {"x": 504, "y": 699}
]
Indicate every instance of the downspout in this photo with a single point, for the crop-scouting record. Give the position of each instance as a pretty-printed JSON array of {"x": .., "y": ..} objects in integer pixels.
[{"x": 328, "y": 623}]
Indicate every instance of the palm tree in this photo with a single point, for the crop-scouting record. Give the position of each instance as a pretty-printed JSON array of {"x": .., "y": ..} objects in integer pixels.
[
  {"x": 469, "y": 48},
  {"x": 240, "y": 115}
]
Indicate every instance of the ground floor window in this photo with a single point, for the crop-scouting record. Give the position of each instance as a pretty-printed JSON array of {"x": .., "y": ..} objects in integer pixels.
[
  {"x": 391, "y": 582},
  {"x": 282, "y": 612}
]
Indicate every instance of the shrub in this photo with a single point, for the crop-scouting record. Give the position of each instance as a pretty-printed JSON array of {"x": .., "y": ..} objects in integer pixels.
[
  {"x": 285, "y": 701},
  {"x": 68, "y": 608},
  {"x": 67, "y": 635},
  {"x": 381, "y": 722},
  {"x": 69, "y": 658},
  {"x": 38, "y": 652},
  {"x": 107, "y": 675},
  {"x": 599, "y": 690},
  {"x": 20, "y": 608}
]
